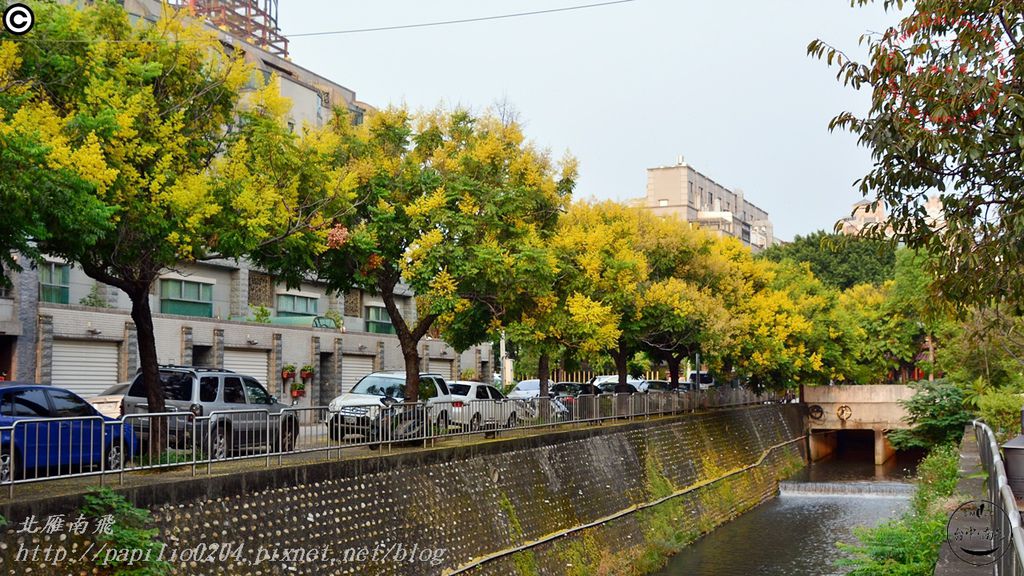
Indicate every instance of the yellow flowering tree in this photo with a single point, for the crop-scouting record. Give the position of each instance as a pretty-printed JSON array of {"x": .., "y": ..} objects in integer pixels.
[
  {"x": 146, "y": 116},
  {"x": 456, "y": 207}
]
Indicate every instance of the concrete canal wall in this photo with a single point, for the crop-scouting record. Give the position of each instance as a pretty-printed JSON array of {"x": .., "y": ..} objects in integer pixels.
[{"x": 439, "y": 511}]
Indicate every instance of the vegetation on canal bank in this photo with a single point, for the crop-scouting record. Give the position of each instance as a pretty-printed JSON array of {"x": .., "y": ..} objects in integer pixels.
[{"x": 909, "y": 545}]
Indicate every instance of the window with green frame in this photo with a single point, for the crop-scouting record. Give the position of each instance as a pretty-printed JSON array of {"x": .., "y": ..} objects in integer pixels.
[
  {"x": 54, "y": 282},
  {"x": 186, "y": 298},
  {"x": 292, "y": 305},
  {"x": 378, "y": 321}
]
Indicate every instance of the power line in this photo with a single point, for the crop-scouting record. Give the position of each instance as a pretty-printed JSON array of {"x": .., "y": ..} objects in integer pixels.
[{"x": 462, "y": 21}]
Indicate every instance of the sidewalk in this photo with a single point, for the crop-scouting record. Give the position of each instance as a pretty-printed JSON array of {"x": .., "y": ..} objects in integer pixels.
[{"x": 971, "y": 486}]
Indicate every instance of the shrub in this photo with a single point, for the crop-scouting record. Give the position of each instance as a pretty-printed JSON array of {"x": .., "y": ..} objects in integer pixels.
[
  {"x": 937, "y": 415},
  {"x": 1000, "y": 409}
]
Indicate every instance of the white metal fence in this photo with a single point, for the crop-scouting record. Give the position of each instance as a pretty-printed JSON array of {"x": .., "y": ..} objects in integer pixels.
[
  {"x": 1011, "y": 563},
  {"x": 40, "y": 450}
]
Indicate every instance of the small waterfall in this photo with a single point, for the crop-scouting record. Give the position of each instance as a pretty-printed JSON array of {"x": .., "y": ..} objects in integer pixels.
[{"x": 871, "y": 489}]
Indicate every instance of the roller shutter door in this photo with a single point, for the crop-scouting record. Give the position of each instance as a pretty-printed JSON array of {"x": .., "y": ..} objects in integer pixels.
[
  {"x": 442, "y": 367},
  {"x": 353, "y": 368},
  {"x": 85, "y": 368},
  {"x": 253, "y": 363}
]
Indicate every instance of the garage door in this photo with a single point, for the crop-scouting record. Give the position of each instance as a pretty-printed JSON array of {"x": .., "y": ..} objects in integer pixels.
[
  {"x": 253, "y": 363},
  {"x": 442, "y": 367},
  {"x": 86, "y": 368},
  {"x": 353, "y": 368}
]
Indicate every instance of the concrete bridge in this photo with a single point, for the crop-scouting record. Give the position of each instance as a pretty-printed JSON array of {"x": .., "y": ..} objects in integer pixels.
[{"x": 834, "y": 410}]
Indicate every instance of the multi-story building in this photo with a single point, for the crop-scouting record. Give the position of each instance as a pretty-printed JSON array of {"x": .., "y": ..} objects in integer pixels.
[
  {"x": 682, "y": 191},
  {"x": 862, "y": 214},
  {"x": 59, "y": 326}
]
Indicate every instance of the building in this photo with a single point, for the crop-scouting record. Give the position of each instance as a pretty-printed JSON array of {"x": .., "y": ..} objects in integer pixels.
[
  {"x": 59, "y": 326},
  {"x": 682, "y": 191},
  {"x": 862, "y": 214}
]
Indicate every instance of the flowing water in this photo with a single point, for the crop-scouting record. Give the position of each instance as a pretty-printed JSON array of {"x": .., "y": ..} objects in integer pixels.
[{"x": 796, "y": 533}]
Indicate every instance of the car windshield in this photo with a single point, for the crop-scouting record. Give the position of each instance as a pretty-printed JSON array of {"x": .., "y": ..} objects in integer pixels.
[
  {"x": 380, "y": 386},
  {"x": 459, "y": 389}
]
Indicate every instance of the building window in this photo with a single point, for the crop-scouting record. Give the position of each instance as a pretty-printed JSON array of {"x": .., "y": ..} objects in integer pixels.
[
  {"x": 292, "y": 305},
  {"x": 186, "y": 298},
  {"x": 662, "y": 202},
  {"x": 54, "y": 282},
  {"x": 378, "y": 321}
]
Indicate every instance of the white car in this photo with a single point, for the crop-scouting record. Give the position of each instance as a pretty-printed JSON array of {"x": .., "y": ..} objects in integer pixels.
[
  {"x": 526, "y": 390},
  {"x": 607, "y": 382},
  {"x": 356, "y": 411},
  {"x": 706, "y": 380},
  {"x": 478, "y": 406}
]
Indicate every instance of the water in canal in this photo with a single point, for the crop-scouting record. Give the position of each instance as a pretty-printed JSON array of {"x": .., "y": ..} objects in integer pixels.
[{"x": 796, "y": 533}]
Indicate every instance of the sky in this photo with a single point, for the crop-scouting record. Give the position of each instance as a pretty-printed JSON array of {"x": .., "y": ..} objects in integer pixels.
[{"x": 725, "y": 83}]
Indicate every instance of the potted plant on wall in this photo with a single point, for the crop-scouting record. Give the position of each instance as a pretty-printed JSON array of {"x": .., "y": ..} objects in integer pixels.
[
  {"x": 306, "y": 372},
  {"x": 288, "y": 372},
  {"x": 298, "y": 389}
]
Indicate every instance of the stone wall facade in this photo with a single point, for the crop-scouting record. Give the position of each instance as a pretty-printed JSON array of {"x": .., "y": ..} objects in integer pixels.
[{"x": 479, "y": 499}]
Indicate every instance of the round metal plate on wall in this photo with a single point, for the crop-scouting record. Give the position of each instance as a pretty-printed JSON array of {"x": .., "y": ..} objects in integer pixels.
[
  {"x": 844, "y": 412},
  {"x": 816, "y": 412}
]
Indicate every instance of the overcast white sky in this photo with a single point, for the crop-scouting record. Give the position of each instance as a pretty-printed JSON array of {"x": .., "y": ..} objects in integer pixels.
[{"x": 725, "y": 83}]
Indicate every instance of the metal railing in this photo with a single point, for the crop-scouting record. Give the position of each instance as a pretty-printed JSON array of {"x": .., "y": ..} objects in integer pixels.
[
  {"x": 1011, "y": 563},
  {"x": 39, "y": 450}
]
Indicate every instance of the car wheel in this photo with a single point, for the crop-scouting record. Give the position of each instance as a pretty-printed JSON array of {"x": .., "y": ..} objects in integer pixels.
[
  {"x": 442, "y": 422},
  {"x": 221, "y": 447},
  {"x": 8, "y": 466},
  {"x": 289, "y": 435},
  {"x": 335, "y": 430},
  {"x": 474, "y": 422},
  {"x": 114, "y": 455},
  {"x": 513, "y": 418}
]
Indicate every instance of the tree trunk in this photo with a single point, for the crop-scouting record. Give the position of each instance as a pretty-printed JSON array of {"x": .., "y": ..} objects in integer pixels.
[
  {"x": 673, "y": 370},
  {"x": 142, "y": 315},
  {"x": 412, "y": 370},
  {"x": 544, "y": 373},
  {"x": 408, "y": 338},
  {"x": 621, "y": 363}
]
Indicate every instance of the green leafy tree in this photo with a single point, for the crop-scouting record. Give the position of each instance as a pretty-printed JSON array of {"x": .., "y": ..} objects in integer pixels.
[
  {"x": 838, "y": 260},
  {"x": 936, "y": 414},
  {"x": 456, "y": 207},
  {"x": 945, "y": 118},
  {"x": 1001, "y": 409}
]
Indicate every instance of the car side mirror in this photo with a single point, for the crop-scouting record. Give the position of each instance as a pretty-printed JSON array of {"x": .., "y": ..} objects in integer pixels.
[{"x": 273, "y": 399}]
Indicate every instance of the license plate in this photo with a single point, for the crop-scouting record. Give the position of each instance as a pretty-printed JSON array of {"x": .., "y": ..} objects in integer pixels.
[{"x": 350, "y": 419}]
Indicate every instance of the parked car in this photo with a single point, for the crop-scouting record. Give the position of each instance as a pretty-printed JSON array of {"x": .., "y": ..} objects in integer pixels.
[
  {"x": 360, "y": 411},
  {"x": 706, "y": 380},
  {"x": 110, "y": 401},
  {"x": 216, "y": 393},
  {"x": 476, "y": 406},
  {"x": 562, "y": 389},
  {"x": 659, "y": 386},
  {"x": 525, "y": 390},
  {"x": 80, "y": 439},
  {"x": 608, "y": 382}
]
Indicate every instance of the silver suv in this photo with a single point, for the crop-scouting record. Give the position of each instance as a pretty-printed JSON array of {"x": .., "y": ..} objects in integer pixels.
[{"x": 215, "y": 393}]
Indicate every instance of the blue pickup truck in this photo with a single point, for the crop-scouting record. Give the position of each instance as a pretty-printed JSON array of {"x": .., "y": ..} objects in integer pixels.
[{"x": 45, "y": 430}]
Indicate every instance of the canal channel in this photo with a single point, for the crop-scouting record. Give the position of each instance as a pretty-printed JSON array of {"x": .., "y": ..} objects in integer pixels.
[{"x": 796, "y": 533}]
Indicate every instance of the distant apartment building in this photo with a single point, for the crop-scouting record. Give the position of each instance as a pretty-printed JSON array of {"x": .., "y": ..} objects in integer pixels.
[
  {"x": 59, "y": 326},
  {"x": 862, "y": 214},
  {"x": 683, "y": 191}
]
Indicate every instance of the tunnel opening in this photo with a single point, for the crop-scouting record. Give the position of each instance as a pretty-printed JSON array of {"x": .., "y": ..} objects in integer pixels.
[{"x": 856, "y": 453}]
